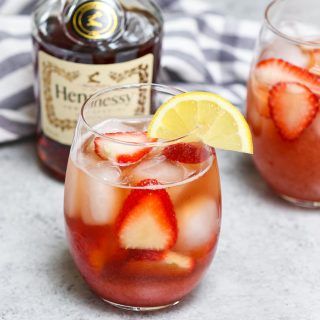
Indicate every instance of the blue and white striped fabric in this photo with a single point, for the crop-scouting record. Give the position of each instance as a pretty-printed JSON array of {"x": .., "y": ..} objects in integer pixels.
[{"x": 203, "y": 50}]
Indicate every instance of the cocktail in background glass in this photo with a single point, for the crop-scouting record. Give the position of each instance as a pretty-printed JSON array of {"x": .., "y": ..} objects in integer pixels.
[
  {"x": 283, "y": 101},
  {"x": 142, "y": 215}
]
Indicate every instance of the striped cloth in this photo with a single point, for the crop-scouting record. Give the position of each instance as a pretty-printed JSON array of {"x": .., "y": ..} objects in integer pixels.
[{"x": 203, "y": 50}]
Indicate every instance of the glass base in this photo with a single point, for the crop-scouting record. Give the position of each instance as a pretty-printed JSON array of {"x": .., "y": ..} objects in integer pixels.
[
  {"x": 302, "y": 203},
  {"x": 139, "y": 309}
]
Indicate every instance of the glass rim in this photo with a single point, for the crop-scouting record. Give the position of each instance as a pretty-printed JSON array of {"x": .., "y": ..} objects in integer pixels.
[
  {"x": 281, "y": 34},
  {"x": 160, "y": 88}
]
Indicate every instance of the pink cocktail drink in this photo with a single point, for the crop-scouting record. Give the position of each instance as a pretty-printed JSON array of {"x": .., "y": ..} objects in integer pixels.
[
  {"x": 142, "y": 216},
  {"x": 283, "y": 112}
]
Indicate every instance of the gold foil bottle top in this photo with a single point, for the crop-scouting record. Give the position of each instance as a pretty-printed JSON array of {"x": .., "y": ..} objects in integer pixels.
[{"x": 93, "y": 20}]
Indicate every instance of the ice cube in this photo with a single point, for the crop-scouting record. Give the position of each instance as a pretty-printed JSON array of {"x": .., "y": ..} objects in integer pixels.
[
  {"x": 107, "y": 172},
  {"x": 198, "y": 223},
  {"x": 100, "y": 202},
  {"x": 289, "y": 52},
  {"x": 101, "y": 169},
  {"x": 87, "y": 160},
  {"x": 85, "y": 155},
  {"x": 300, "y": 30},
  {"x": 161, "y": 169},
  {"x": 71, "y": 203},
  {"x": 88, "y": 144}
]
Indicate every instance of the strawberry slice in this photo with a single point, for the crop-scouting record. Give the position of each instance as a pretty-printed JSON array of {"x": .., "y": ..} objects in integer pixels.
[
  {"x": 172, "y": 265},
  {"x": 169, "y": 258},
  {"x": 147, "y": 220},
  {"x": 190, "y": 153},
  {"x": 179, "y": 260},
  {"x": 119, "y": 152},
  {"x": 272, "y": 71},
  {"x": 293, "y": 107}
]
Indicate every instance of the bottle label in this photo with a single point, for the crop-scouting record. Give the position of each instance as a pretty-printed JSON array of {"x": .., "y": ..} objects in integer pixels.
[
  {"x": 65, "y": 86},
  {"x": 96, "y": 20}
]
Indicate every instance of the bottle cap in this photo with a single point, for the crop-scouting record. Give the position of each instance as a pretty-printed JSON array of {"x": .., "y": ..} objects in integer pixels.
[{"x": 93, "y": 20}]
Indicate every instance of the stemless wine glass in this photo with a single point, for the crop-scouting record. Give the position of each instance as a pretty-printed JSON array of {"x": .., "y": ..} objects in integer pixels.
[
  {"x": 142, "y": 228},
  {"x": 283, "y": 101}
]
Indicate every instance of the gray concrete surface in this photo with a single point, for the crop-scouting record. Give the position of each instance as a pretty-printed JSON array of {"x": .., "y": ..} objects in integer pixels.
[{"x": 266, "y": 267}]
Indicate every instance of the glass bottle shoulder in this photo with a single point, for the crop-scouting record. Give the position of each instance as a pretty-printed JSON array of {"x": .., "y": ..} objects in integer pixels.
[{"x": 143, "y": 26}]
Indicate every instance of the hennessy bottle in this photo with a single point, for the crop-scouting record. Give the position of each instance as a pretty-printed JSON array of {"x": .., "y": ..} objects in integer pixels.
[{"x": 81, "y": 46}]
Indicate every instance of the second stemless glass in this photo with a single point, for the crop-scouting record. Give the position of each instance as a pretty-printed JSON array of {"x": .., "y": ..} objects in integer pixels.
[
  {"x": 142, "y": 227},
  {"x": 283, "y": 101}
]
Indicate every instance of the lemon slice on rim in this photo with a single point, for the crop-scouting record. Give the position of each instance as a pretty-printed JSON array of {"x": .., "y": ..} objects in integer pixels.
[{"x": 202, "y": 116}]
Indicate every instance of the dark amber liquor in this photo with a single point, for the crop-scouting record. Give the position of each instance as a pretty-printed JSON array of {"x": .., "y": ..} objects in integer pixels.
[{"x": 81, "y": 46}]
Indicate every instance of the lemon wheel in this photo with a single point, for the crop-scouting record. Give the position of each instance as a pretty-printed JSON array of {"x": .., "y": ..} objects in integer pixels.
[{"x": 202, "y": 116}]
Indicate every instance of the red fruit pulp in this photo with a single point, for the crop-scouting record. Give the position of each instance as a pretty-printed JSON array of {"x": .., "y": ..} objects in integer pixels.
[{"x": 187, "y": 153}]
